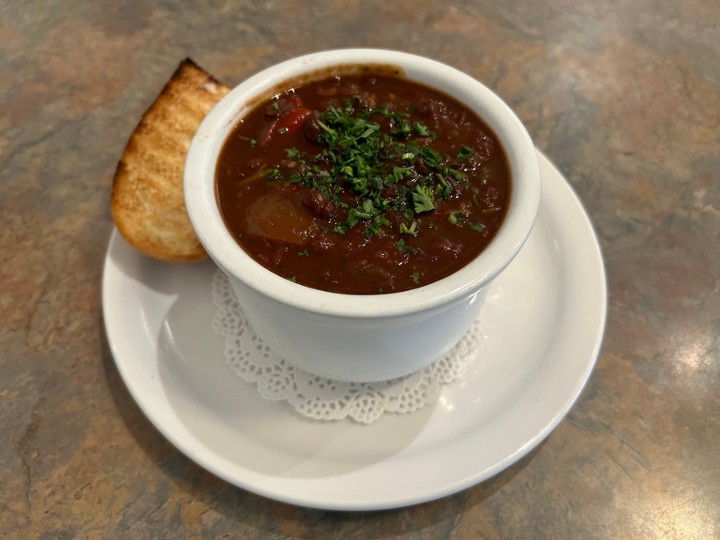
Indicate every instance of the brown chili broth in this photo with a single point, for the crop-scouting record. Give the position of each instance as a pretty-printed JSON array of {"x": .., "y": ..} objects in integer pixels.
[{"x": 308, "y": 251}]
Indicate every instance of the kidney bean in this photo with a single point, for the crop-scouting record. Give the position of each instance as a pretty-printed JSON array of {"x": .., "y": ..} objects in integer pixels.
[
  {"x": 314, "y": 201},
  {"x": 311, "y": 128}
]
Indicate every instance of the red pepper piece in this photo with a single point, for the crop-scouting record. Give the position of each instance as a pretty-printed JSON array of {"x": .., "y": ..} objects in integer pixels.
[{"x": 291, "y": 119}]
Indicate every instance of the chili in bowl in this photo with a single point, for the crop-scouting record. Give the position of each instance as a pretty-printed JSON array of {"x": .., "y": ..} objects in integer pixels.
[{"x": 360, "y": 202}]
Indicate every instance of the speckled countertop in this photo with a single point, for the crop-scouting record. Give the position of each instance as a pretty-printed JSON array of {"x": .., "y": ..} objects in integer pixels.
[{"x": 624, "y": 97}]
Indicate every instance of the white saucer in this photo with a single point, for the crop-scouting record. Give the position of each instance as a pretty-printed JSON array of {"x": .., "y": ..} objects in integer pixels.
[{"x": 543, "y": 325}]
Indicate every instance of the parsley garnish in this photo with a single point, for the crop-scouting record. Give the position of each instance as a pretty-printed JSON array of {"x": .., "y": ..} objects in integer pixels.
[
  {"x": 422, "y": 199},
  {"x": 371, "y": 161},
  {"x": 430, "y": 157},
  {"x": 412, "y": 229},
  {"x": 421, "y": 129},
  {"x": 402, "y": 247},
  {"x": 464, "y": 153}
]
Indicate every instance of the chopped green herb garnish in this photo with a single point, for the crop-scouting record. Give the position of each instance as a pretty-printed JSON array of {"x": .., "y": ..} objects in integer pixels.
[
  {"x": 402, "y": 129},
  {"x": 397, "y": 174},
  {"x": 415, "y": 276},
  {"x": 368, "y": 169},
  {"x": 304, "y": 253},
  {"x": 421, "y": 129},
  {"x": 443, "y": 189},
  {"x": 355, "y": 215},
  {"x": 422, "y": 199},
  {"x": 273, "y": 174},
  {"x": 402, "y": 247},
  {"x": 464, "y": 153},
  {"x": 412, "y": 229},
  {"x": 430, "y": 157},
  {"x": 477, "y": 227},
  {"x": 457, "y": 218},
  {"x": 457, "y": 175}
]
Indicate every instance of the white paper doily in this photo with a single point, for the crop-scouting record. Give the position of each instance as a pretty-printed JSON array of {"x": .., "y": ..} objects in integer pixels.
[{"x": 325, "y": 399}]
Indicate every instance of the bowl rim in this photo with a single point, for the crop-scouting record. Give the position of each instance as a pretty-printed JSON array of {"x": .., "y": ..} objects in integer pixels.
[{"x": 199, "y": 187}]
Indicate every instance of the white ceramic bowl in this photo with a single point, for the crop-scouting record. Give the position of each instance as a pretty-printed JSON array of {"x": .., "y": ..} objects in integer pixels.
[{"x": 360, "y": 337}]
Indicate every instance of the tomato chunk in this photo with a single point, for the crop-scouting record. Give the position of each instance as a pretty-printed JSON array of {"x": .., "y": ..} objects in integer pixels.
[{"x": 292, "y": 119}]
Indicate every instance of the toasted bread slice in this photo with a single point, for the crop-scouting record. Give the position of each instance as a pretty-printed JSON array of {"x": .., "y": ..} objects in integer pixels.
[{"x": 147, "y": 204}]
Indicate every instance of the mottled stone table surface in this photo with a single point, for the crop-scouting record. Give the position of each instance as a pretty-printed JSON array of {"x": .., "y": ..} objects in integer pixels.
[{"x": 623, "y": 96}]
